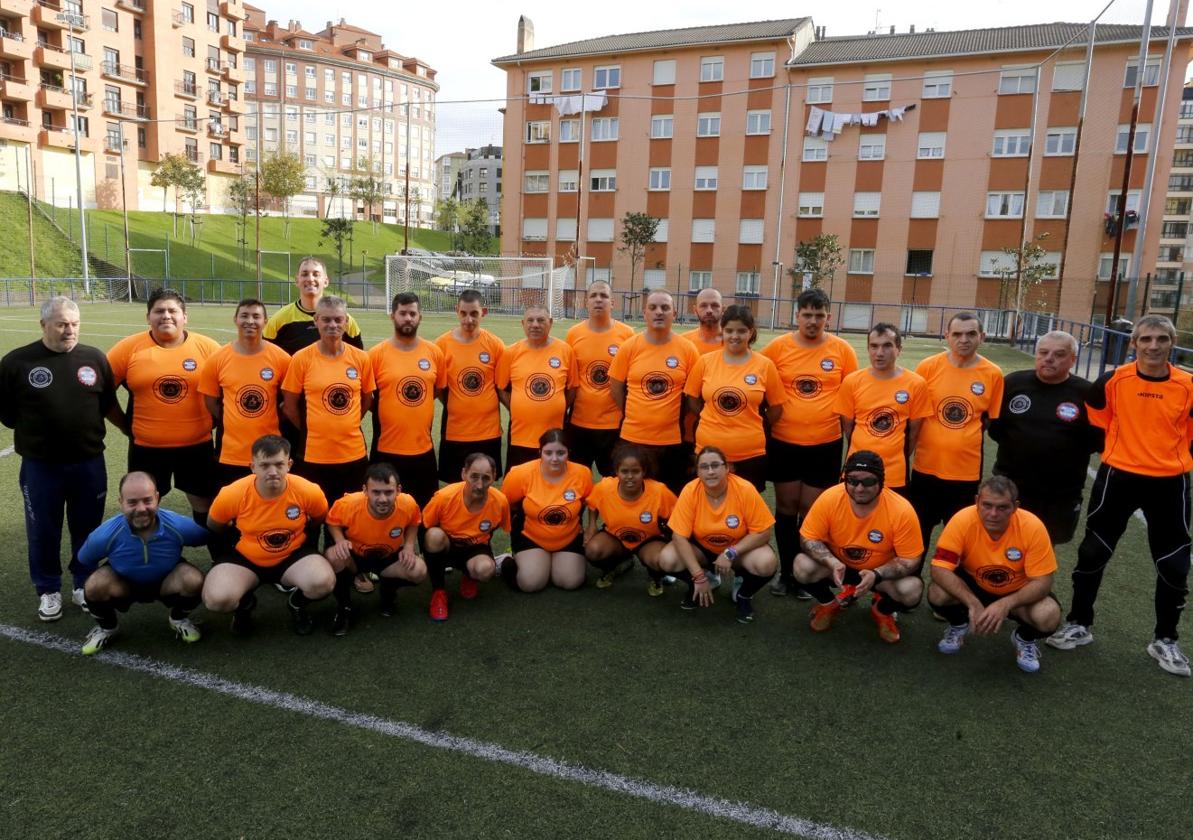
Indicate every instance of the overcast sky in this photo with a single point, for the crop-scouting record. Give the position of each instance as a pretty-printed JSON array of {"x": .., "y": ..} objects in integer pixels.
[{"x": 459, "y": 39}]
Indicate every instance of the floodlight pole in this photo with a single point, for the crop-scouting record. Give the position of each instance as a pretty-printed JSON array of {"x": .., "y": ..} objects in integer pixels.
[
  {"x": 128, "y": 255},
  {"x": 74, "y": 21}
]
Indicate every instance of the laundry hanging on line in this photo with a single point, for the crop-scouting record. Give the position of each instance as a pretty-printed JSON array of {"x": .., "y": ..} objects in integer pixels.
[
  {"x": 829, "y": 124},
  {"x": 575, "y": 104}
]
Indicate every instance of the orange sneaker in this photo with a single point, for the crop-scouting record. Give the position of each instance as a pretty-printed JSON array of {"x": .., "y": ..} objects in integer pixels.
[
  {"x": 439, "y": 605},
  {"x": 823, "y": 616},
  {"x": 468, "y": 587},
  {"x": 888, "y": 625}
]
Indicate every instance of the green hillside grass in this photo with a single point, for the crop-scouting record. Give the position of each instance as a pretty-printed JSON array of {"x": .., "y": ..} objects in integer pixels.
[{"x": 56, "y": 256}]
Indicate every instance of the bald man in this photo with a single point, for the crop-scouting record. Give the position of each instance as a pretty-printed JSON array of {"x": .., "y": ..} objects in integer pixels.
[{"x": 707, "y": 336}]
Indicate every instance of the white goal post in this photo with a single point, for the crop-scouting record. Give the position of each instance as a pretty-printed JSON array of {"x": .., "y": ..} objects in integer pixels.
[{"x": 508, "y": 284}]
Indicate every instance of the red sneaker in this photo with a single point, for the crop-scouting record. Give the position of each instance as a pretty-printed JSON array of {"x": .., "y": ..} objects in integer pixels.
[
  {"x": 468, "y": 588},
  {"x": 888, "y": 625},
  {"x": 439, "y": 605}
]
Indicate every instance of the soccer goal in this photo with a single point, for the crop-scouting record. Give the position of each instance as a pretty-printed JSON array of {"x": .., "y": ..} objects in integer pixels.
[{"x": 507, "y": 284}]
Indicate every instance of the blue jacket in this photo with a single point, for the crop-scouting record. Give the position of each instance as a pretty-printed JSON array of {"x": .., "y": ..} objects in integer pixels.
[{"x": 137, "y": 560}]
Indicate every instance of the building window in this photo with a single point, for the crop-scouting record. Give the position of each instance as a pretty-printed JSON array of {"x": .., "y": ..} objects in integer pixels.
[
  {"x": 606, "y": 78},
  {"x": 704, "y": 230},
  {"x": 758, "y": 122},
  {"x": 1180, "y": 183},
  {"x": 1012, "y": 142},
  {"x": 872, "y": 147},
  {"x": 109, "y": 20},
  {"x": 1182, "y": 159},
  {"x": 931, "y": 145},
  {"x": 748, "y": 283},
  {"x": 569, "y": 180},
  {"x": 1132, "y": 205},
  {"x": 538, "y": 131},
  {"x": 919, "y": 263},
  {"x": 310, "y": 160},
  {"x": 188, "y": 47},
  {"x": 706, "y": 178},
  {"x": 938, "y": 85},
  {"x": 1052, "y": 204},
  {"x": 1060, "y": 141},
  {"x": 213, "y": 22},
  {"x": 698, "y": 280},
  {"x": 539, "y": 82},
  {"x": 1004, "y": 205},
  {"x": 659, "y": 179},
  {"x": 762, "y": 65},
  {"x": 662, "y": 126},
  {"x": 600, "y": 230},
  {"x": 876, "y": 87},
  {"x": 1142, "y": 131},
  {"x": 753, "y": 178},
  {"x": 1017, "y": 80},
  {"x": 815, "y": 148},
  {"x": 188, "y": 13},
  {"x": 565, "y": 229},
  {"x": 569, "y": 78},
  {"x": 603, "y": 180},
  {"x": 534, "y": 229},
  {"x": 811, "y": 205},
  {"x": 604, "y": 128},
  {"x": 708, "y": 125},
  {"x": 1177, "y": 207},
  {"x": 663, "y": 72},
  {"x": 712, "y": 69},
  {"x": 1151, "y": 73},
  {"x": 305, "y": 44},
  {"x": 866, "y": 204},
  {"x": 1068, "y": 76},
  {"x": 1107, "y": 260},
  {"x": 925, "y": 205},
  {"x": 820, "y": 90},
  {"x": 861, "y": 260},
  {"x": 271, "y": 88},
  {"x": 536, "y": 182},
  {"x": 569, "y": 131},
  {"x": 751, "y": 231}
]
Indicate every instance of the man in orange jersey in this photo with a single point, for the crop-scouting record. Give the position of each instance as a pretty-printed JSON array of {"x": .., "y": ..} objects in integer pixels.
[
  {"x": 646, "y": 381},
  {"x": 883, "y": 406},
  {"x": 471, "y": 412},
  {"x": 1146, "y": 409},
  {"x": 240, "y": 385},
  {"x": 171, "y": 428},
  {"x": 376, "y": 531},
  {"x": 276, "y": 517},
  {"x": 460, "y": 521},
  {"x": 327, "y": 391},
  {"x": 410, "y": 373},
  {"x": 707, "y": 336},
  {"x": 536, "y": 382},
  {"x": 804, "y": 446},
  {"x": 861, "y": 536},
  {"x": 594, "y": 419},
  {"x": 994, "y": 561},
  {"x": 965, "y": 389}
]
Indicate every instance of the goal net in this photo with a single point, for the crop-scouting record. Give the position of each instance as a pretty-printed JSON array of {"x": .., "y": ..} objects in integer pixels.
[{"x": 508, "y": 284}]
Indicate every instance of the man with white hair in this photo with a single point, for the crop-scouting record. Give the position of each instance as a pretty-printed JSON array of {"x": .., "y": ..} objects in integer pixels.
[{"x": 54, "y": 395}]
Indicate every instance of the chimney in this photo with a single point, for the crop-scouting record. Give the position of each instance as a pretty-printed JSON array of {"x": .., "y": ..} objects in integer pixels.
[
  {"x": 912, "y": 29},
  {"x": 892, "y": 30},
  {"x": 329, "y": 25},
  {"x": 525, "y": 34}
]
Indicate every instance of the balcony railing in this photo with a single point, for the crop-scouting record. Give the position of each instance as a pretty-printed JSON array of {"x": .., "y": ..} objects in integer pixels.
[
  {"x": 132, "y": 5},
  {"x": 188, "y": 125},
  {"x": 15, "y": 36},
  {"x": 213, "y": 65},
  {"x": 194, "y": 156},
  {"x": 112, "y": 143},
  {"x": 187, "y": 89},
  {"x": 181, "y": 19},
  {"x": 125, "y": 72},
  {"x": 76, "y": 20},
  {"x": 15, "y": 121},
  {"x": 131, "y": 110},
  {"x": 215, "y": 97}
]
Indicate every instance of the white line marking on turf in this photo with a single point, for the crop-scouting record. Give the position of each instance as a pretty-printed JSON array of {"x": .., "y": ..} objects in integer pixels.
[
  {"x": 1138, "y": 514},
  {"x": 8, "y": 450},
  {"x": 739, "y": 812}
]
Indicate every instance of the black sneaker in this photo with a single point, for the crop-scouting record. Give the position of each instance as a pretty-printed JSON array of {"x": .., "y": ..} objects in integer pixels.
[
  {"x": 342, "y": 621},
  {"x": 688, "y": 603},
  {"x": 745, "y": 610},
  {"x": 389, "y": 607},
  {"x": 242, "y": 618},
  {"x": 304, "y": 625}
]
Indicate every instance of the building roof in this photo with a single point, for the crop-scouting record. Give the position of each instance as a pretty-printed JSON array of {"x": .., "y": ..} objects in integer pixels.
[
  {"x": 767, "y": 30},
  {"x": 906, "y": 46}
]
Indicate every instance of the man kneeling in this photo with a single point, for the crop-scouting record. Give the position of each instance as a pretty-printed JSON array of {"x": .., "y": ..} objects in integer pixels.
[
  {"x": 995, "y": 561},
  {"x": 143, "y": 546},
  {"x": 277, "y": 517}
]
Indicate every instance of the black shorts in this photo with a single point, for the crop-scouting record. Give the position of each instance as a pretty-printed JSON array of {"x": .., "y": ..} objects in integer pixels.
[
  {"x": 269, "y": 574},
  {"x": 459, "y": 553},
  {"x": 675, "y": 464},
  {"x": 453, "y": 452},
  {"x": 1059, "y": 513},
  {"x": 192, "y": 468},
  {"x": 227, "y": 473},
  {"x": 627, "y": 553},
  {"x": 937, "y": 500},
  {"x": 592, "y": 446},
  {"x": 985, "y": 597},
  {"x": 417, "y": 474},
  {"x": 519, "y": 542},
  {"x": 373, "y": 563},
  {"x": 138, "y": 593},
  {"x": 515, "y": 455},
  {"x": 335, "y": 480},
  {"x": 753, "y": 470},
  {"x": 817, "y": 465}
]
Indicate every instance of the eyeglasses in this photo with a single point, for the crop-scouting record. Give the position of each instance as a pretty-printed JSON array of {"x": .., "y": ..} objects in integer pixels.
[
  {"x": 711, "y": 467},
  {"x": 860, "y": 482}
]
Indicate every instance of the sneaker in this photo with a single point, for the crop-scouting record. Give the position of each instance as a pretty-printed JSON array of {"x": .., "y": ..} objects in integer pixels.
[
  {"x": 714, "y": 580},
  {"x": 888, "y": 625},
  {"x": 342, "y": 621},
  {"x": 304, "y": 625},
  {"x": 953, "y": 639},
  {"x": 1069, "y": 636},
  {"x": 468, "y": 587},
  {"x": 79, "y": 599},
  {"x": 1168, "y": 653},
  {"x": 823, "y": 616},
  {"x": 185, "y": 629},
  {"x": 688, "y": 603},
  {"x": 362, "y": 583},
  {"x": 655, "y": 588},
  {"x": 780, "y": 587},
  {"x": 668, "y": 580},
  {"x": 501, "y": 558},
  {"x": 1027, "y": 654},
  {"x": 439, "y": 605},
  {"x": 97, "y": 640},
  {"x": 49, "y": 607},
  {"x": 801, "y": 594},
  {"x": 285, "y": 590},
  {"x": 745, "y": 606},
  {"x": 389, "y": 607}
]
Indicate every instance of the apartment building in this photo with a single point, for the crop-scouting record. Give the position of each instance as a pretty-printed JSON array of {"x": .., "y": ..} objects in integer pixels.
[
  {"x": 447, "y": 171},
  {"x": 1172, "y": 283},
  {"x": 131, "y": 77},
  {"x": 480, "y": 179},
  {"x": 926, "y": 153},
  {"x": 339, "y": 99}
]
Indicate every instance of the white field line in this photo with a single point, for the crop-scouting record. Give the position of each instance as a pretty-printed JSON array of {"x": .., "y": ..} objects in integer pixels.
[
  {"x": 6, "y": 451},
  {"x": 689, "y": 800},
  {"x": 1138, "y": 514}
]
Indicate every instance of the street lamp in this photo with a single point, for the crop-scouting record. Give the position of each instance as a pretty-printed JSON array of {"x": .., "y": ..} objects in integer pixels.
[{"x": 76, "y": 21}]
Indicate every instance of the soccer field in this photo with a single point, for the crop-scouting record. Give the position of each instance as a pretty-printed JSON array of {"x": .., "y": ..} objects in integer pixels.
[{"x": 575, "y": 714}]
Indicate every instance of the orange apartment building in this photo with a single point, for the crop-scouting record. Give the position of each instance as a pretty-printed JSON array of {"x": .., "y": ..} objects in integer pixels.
[{"x": 707, "y": 129}]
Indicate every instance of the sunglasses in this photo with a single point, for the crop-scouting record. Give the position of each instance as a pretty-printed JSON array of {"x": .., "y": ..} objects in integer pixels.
[{"x": 860, "y": 482}]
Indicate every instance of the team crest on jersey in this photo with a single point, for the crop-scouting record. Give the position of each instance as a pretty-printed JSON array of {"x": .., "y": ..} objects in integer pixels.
[
  {"x": 351, "y": 373},
  {"x": 672, "y": 362},
  {"x": 337, "y": 399},
  {"x": 554, "y": 362},
  {"x": 874, "y": 536},
  {"x": 612, "y": 348},
  {"x": 274, "y": 541},
  {"x": 1068, "y": 412},
  {"x": 751, "y": 379},
  {"x": 901, "y": 397},
  {"x": 731, "y": 521},
  {"x": 485, "y": 525},
  {"x": 826, "y": 365},
  {"x": 87, "y": 376},
  {"x": 293, "y": 512},
  {"x": 539, "y": 387},
  {"x": 598, "y": 374},
  {"x": 41, "y": 377},
  {"x": 1020, "y": 403},
  {"x": 569, "y": 495},
  {"x": 1014, "y": 554},
  {"x": 411, "y": 391},
  {"x": 395, "y": 532},
  {"x": 645, "y": 517},
  {"x": 656, "y": 385},
  {"x": 553, "y": 515},
  {"x": 806, "y": 386},
  {"x": 955, "y": 412},
  {"x": 994, "y": 577},
  {"x": 267, "y": 374},
  {"x": 424, "y": 364},
  {"x": 729, "y": 401},
  {"x": 170, "y": 389},
  {"x": 471, "y": 380},
  {"x": 252, "y": 400},
  {"x": 189, "y": 364},
  {"x": 977, "y": 388},
  {"x": 881, "y": 422},
  {"x": 484, "y": 357}
]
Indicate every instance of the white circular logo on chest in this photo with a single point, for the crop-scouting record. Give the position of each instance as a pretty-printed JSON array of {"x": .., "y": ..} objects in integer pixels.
[
  {"x": 1019, "y": 404},
  {"x": 41, "y": 377},
  {"x": 732, "y": 521},
  {"x": 87, "y": 376},
  {"x": 978, "y": 388},
  {"x": 395, "y": 532},
  {"x": 485, "y": 525},
  {"x": 902, "y": 397},
  {"x": 751, "y": 379},
  {"x": 189, "y": 364},
  {"x": 569, "y": 495},
  {"x": 484, "y": 357},
  {"x": 267, "y": 374},
  {"x": 293, "y": 512},
  {"x": 424, "y": 364},
  {"x": 826, "y": 365},
  {"x": 672, "y": 362},
  {"x": 351, "y": 372}
]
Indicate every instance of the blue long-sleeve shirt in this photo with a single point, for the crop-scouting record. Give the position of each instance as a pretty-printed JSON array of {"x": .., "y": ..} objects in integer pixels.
[{"x": 142, "y": 561}]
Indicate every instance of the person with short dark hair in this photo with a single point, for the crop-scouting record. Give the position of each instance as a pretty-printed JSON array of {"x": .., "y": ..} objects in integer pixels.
[
  {"x": 143, "y": 548},
  {"x": 293, "y": 326},
  {"x": 54, "y": 395}
]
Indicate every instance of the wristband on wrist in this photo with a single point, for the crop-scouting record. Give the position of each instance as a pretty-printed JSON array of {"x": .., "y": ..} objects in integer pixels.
[
  {"x": 731, "y": 554},
  {"x": 699, "y": 579},
  {"x": 878, "y": 578}
]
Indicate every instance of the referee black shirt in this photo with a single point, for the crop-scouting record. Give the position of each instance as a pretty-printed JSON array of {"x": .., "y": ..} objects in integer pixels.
[{"x": 56, "y": 402}]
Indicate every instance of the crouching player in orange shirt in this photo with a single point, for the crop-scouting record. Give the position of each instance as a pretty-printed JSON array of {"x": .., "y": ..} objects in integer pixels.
[
  {"x": 634, "y": 509},
  {"x": 861, "y": 536},
  {"x": 277, "y": 517},
  {"x": 722, "y": 522},
  {"x": 374, "y": 531},
  {"x": 994, "y": 561},
  {"x": 460, "y": 520}
]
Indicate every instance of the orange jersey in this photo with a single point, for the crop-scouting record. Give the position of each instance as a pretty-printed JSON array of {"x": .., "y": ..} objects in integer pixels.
[
  {"x": 472, "y": 411},
  {"x": 950, "y": 442},
  {"x": 741, "y": 512},
  {"x": 594, "y": 352},
  {"x": 633, "y": 523},
  {"x": 248, "y": 387},
  {"x": 701, "y": 345},
  {"x": 880, "y": 410},
  {"x": 270, "y": 529},
  {"x": 890, "y": 530},
  {"x": 371, "y": 537},
  {"x": 811, "y": 378},
  {"x": 166, "y": 405},
  {"x": 332, "y": 388},
  {"x": 732, "y": 396},
  {"x": 552, "y": 509},
  {"x": 406, "y": 385},
  {"x": 538, "y": 379},
  {"x": 1148, "y": 422},
  {"x": 999, "y": 566},
  {"x": 447, "y": 511},
  {"x": 654, "y": 377}
]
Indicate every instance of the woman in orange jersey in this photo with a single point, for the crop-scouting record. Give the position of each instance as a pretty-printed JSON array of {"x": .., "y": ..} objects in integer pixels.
[
  {"x": 721, "y": 522},
  {"x": 634, "y": 510},
  {"x": 731, "y": 390},
  {"x": 546, "y": 497}
]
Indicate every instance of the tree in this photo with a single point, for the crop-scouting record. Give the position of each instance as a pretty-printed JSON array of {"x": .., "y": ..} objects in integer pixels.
[
  {"x": 447, "y": 217},
  {"x": 242, "y": 195},
  {"x": 173, "y": 171},
  {"x": 283, "y": 176},
  {"x": 1020, "y": 270},
  {"x": 193, "y": 185},
  {"x": 819, "y": 257},
  {"x": 339, "y": 230},
  {"x": 474, "y": 227},
  {"x": 637, "y": 231},
  {"x": 335, "y": 189},
  {"x": 367, "y": 187}
]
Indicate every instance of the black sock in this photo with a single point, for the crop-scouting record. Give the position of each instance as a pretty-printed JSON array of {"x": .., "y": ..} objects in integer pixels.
[
  {"x": 955, "y": 614},
  {"x": 298, "y": 599},
  {"x": 820, "y": 590},
  {"x": 1030, "y": 634},
  {"x": 103, "y": 612},
  {"x": 388, "y": 590},
  {"x": 343, "y": 588},
  {"x": 509, "y": 571},
  {"x": 437, "y": 568},
  {"x": 787, "y": 541},
  {"x": 889, "y": 606},
  {"x": 608, "y": 564},
  {"x": 248, "y": 602},
  {"x": 750, "y": 584},
  {"x": 656, "y": 576},
  {"x": 686, "y": 577},
  {"x": 181, "y": 605}
]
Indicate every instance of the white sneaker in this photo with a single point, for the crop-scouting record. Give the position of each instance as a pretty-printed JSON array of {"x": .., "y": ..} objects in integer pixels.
[
  {"x": 1168, "y": 653},
  {"x": 1027, "y": 654},
  {"x": 501, "y": 558},
  {"x": 953, "y": 639},
  {"x": 79, "y": 599},
  {"x": 185, "y": 629},
  {"x": 49, "y": 606},
  {"x": 1069, "y": 636},
  {"x": 97, "y": 640}
]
